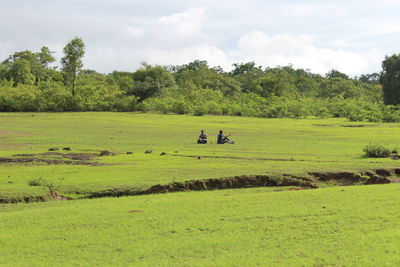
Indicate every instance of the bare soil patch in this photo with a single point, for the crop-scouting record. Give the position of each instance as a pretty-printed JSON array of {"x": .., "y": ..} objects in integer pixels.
[
  {"x": 357, "y": 125},
  {"x": 248, "y": 181},
  {"x": 324, "y": 125},
  {"x": 55, "y": 158},
  {"x": 135, "y": 211},
  {"x": 314, "y": 180}
]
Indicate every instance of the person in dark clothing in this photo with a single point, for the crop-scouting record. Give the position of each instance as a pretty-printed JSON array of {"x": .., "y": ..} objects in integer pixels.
[
  {"x": 222, "y": 139},
  {"x": 203, "y": 138}
]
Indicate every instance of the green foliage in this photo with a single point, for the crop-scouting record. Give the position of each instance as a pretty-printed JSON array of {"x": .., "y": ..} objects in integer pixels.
[
  {"x": 390, "y": 80},
  {"x": 26, "y": 67},
  {"x": 72, "y": 61},
  {"x": 336, "y": 74},
  {"x": 376, "y": 151},
  {"x": 193, "y": 88},
  {"x": 151, "y": 81},
  {"x": 36, "y": 182},
  {"x": 51, "y": 185}
]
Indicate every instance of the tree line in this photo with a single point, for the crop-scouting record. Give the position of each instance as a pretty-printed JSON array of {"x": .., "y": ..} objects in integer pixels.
[{"x": 29, "y": 82}]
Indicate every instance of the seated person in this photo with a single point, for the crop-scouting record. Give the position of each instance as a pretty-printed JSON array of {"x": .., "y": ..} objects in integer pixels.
[
  {"x": 203, "y": 138},
  {"x": 222, "y": 139}
]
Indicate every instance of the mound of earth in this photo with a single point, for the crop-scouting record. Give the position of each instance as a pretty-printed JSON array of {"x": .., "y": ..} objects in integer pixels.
[{"x": 107, "y": 153}]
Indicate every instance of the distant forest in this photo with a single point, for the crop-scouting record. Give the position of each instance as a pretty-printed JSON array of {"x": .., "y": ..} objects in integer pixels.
[{"x": 28, "y": 82}]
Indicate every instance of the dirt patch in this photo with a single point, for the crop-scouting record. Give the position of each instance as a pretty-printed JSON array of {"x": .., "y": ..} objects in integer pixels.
[
  {"x": 357, "y": 125},
  {"x": 25, "y": 199},
  {"x": 248, "y": 181},
  {"x": 341, "y": 178},
  {"x": 55, "y": 158},
  {"x": 324, "y": 125},
  {"x": 73, "y": 156},
  {"x": 56, "y": 196},
  {"x": 245, "y": 181},
  {"x": 314, "y": 180},
  {"x": 135, "y": 211},
  {"x": 107, "y": 153},
  {"x": 379, "y": 176},
  {"x": 51, "y": 161}
]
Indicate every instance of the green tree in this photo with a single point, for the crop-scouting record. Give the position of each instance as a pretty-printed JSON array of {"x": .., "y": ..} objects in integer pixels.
[
  {"x": 3, "y": 72},
  {"x": 198, "y": 75},
  {"x": 339, "y": 87},
  {"x": 124, "y": 80},
  {"x": 242, "y": 68},
  {"x": 390, "y": 80},
  {"x": 45, "y": 56},
  {"x": 277, "y": 81},
  {"x": 72, "y": 61},
  {"x": 336, "y": 74},
  {"x": 150, "y": 81},
  {"x": 21, "y": 72},
  {"x": 247, "y": 74},
  {"x": 372, "y": 78},
  {"x": 36, "y": 63}
]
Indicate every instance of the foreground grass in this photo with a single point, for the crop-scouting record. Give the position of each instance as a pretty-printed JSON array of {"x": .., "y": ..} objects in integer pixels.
[
  {"x": 311, "y": 145},
  {"x": 340, "y": 226}
]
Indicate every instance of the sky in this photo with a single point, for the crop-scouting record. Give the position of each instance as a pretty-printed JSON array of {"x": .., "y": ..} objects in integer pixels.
[{"x": 350, "y": 36}]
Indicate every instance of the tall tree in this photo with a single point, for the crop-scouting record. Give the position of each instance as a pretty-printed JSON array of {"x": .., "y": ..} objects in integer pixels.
[
  {"x": 72, "y": 61},
  {"x": 390, "y": 80},
  {"x": 150, "y": 81},
  {"x": 45, "y": 56}
]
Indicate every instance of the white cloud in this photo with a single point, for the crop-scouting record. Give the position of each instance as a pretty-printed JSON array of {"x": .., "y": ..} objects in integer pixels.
[
  {"x": 300, "y": 50},
  {"x": 187, "y": 22},
  {"x": 319, "y": 35}
]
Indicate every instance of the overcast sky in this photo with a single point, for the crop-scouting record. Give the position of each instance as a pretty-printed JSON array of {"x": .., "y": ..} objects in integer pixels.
[{"x": 351, "y": 36}]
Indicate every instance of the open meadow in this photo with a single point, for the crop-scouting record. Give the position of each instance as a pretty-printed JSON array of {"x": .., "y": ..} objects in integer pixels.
[
  {"x": 336, "y": 226},
  {"x": 265, "y": 226},
  {"x": 263, "y": 146}
]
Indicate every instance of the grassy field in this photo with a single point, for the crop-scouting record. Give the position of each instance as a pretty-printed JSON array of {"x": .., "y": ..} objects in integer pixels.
[
  {"x": 262, "y": 146},
  {"x": 337, "y": 226},
  {"x": 334, "y": 226}
]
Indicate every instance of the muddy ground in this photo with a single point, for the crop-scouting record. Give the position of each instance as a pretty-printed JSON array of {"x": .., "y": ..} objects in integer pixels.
[{"x": 55, "y": 158}]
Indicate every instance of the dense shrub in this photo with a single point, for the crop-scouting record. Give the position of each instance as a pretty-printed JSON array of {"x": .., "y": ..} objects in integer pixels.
[{"x": 377, "y": 151}]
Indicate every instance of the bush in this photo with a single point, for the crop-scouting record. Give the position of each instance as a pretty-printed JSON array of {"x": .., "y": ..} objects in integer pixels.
[
  {"x": 37, "y": 182},
  {"x": 376, "y": 151},
  {"x": 52, "y": 186},
  {"x": 200, "y": 111}
]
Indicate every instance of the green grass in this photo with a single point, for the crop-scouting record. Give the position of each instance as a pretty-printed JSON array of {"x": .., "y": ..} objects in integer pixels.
[
  {"x": 314, "y": 144},
  {"x": 339, "y": 226},
  {"x": 335, "y": 226}
]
